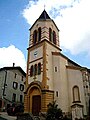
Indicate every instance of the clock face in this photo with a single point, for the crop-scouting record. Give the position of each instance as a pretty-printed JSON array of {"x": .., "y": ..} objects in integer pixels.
[{"x": 35, "y": 54}]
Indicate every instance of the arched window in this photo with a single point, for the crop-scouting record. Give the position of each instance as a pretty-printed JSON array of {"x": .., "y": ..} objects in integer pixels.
[
  {"x": 39, "y": 34},
  {"x": 54, "y": 37},
  {"x": 50, "y": 34},
  {"x": 35, "y": 37},
  {"x": 31, "y": 71},
  {"x": 76, "y": 95},
  {"x": 39, "y": 68},
  {"x": 35, "y": 71}
]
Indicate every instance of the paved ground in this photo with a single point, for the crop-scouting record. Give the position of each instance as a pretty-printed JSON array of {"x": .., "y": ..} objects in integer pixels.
[
  {"x": 5, "y": 116},
  {"x": 2, "y": 118}
]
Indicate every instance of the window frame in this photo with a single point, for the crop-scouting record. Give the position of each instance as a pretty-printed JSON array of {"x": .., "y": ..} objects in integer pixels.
[
  {"x": 14, "y": 97},
  {"x": 39, "y": 34},
  {"x": 15, "y": 85},
  {"x": 39, "y": 68},
  {"x": 57, "y": 94},
  {"x": 35, "y": 37},
  {"x": 21, "y": 98},
  {"x": 35, "y": 69},
  {"x": 15, "y": 75},
  {"x": 31, "y": 70},
  {"x": 54, "y": 37},
  {"x": 76, "y": 89},
  {"x": 21, "y": 87},
  {"x": 50, "y": 34},
  {"x": 55, "y": 69}
]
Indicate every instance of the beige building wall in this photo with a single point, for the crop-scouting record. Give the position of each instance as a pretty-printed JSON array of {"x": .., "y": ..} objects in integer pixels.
[
  {"x": 35, "y": 57},
  {"x": 45, "y": 25},
  {"x": 60, "y": 82},
  {"x": 75, "y": 79},
  {"x": 49, "y": 66}
]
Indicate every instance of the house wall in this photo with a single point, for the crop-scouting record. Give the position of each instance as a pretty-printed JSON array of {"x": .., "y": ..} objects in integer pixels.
[
  {"x": 9, "y": 90},
  {"x": 10, "y": 79},
  {"x": 2, "y": 78}
]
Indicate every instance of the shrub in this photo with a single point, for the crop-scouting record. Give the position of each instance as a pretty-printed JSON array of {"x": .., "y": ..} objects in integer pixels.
[{"x": 53, "y": 112}]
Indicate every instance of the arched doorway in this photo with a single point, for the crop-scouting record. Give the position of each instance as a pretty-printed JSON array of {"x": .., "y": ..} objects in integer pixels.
[{"x": 35, "y": 100}]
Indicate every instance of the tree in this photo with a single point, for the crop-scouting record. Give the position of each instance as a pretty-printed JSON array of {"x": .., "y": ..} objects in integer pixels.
[{"x": 53, "y": 112}]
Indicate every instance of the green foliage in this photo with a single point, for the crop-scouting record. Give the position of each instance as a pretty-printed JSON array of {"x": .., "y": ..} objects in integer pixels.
[{"x": 53, "y": 112}]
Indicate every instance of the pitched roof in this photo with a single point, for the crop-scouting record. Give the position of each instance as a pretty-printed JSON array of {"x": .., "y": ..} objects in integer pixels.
[
  {"x": 69, "y": 60},
  {"x": 14, "y": 68},
  {"x": 44, "y": 16}
]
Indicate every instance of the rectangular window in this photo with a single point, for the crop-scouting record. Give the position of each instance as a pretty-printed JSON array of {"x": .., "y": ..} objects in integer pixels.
[
  {"x": 15, "y": 85},
  {"x": 56, "y": 93},
  {"x": 15, "y": 75},
  {"x": 22, "y": 78},
  {"x": 21, "y": 98},
  {"x": 14, "y": 97},
  {"x": 55, "y": 69},
  {"x": 21, "y": 87}
]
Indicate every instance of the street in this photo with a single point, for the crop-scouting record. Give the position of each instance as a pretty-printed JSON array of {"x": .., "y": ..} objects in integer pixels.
[{"x": 5, "y": 116}]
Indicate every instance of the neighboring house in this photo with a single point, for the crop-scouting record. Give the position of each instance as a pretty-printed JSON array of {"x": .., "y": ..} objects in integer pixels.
[
  {"x": 53, "y": 76},
  {"x": 12, "y": 85}
]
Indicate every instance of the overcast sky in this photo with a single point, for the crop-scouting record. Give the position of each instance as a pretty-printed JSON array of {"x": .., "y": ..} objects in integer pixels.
[{"x": 71, "y": 16}]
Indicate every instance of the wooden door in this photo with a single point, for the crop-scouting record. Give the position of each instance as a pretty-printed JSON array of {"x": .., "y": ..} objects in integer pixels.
[{"x": 36, "y": 104}]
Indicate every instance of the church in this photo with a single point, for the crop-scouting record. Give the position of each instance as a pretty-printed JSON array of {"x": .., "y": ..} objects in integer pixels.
[{"x": 52, "y": 76}]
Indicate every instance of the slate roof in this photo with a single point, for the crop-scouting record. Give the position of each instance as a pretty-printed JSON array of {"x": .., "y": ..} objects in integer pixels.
[{"x": 44, "y": 16}]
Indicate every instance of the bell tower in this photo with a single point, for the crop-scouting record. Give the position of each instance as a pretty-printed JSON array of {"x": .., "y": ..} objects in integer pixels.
[
  {"x": 44, "y": 40},
  {"x": 44, "y": 28}
]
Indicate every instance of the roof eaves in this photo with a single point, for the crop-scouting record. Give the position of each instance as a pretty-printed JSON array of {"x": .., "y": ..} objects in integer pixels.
[{"x": 13, "y": 68}]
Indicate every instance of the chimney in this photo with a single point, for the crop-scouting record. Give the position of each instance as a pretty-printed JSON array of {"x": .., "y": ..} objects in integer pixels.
[{"x": 13, "y": 64}]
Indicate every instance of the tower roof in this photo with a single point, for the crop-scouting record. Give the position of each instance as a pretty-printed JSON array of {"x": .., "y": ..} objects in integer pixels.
[{"x": 44, "y": 16}]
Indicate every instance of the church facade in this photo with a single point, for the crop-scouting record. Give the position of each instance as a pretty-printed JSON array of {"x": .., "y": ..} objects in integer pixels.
[{"x": 51, "y": 76}]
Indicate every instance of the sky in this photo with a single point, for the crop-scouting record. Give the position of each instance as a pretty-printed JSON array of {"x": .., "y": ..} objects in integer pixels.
[{"x": 71, "y": 16}]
